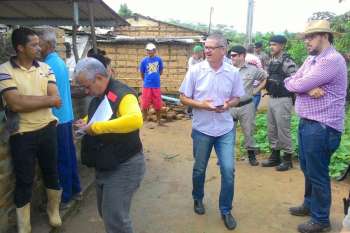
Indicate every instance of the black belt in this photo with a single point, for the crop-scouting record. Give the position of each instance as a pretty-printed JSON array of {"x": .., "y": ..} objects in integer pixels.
[
  {"x": 240, "y": 104},
  {"x": 280, "y": 96}
]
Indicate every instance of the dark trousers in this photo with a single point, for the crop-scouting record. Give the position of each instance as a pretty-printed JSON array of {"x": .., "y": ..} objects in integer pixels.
[
  {"x": 317, "y": 143},
  {"x": 67, "y": 162},
  {"x": 25, "y": 148},
  {"x": 256, "y": 100},
  {"x": 115, "y": 189}
]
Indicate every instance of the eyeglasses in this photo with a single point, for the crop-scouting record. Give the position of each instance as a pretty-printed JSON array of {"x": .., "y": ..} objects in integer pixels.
[
  {"x": 310, "y": 36},
  {"x": 212, "y": 48},
  {"x": 234, "y": 54}
]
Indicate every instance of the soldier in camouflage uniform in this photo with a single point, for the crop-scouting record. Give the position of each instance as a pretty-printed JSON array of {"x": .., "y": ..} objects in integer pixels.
[
  {"x": 264, "y": 58},
  {"x": 280, "y": 106},
  {"x": 244, "y": 112}
]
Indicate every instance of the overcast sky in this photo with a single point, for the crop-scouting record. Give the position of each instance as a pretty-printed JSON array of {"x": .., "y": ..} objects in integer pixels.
[{"x": 269, "y": 15}]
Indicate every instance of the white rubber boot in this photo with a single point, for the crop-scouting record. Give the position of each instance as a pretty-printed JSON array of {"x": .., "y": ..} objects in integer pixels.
[
  {"x": 53, "y": 207},
  {"x": 23, "y": 219}
]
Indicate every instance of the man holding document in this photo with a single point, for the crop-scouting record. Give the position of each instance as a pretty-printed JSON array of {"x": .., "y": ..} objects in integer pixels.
[{"x": 111, "y": 143}]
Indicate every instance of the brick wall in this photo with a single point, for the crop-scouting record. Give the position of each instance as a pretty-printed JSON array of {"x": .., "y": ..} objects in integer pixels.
[
  {"x": 158, "y": 30},
  {"x": 126, "y": 58}
]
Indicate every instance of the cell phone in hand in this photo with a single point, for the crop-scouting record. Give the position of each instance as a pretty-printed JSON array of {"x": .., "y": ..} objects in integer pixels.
[{"x": 219, "y": 106}]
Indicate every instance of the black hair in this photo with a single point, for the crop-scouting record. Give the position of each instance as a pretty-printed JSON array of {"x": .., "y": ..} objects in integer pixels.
[
  {"x": 20, "y": 36},
  {"x": 330, "y": 38},
  {"x": 92, "y": 52},
  {"x": 100, "y": 58}
]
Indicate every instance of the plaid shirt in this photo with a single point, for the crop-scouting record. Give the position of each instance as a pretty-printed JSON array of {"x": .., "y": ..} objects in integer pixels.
[{"x": 327, "y": 71}]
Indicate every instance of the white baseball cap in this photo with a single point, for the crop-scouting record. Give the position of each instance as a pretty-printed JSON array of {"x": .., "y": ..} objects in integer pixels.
[{"x": 150, "y": 46}]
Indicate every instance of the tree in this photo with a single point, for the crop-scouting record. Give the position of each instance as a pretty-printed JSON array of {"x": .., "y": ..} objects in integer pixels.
[
  {"x": 124, "y": 11},
  {"x": 327, "y": 15}
]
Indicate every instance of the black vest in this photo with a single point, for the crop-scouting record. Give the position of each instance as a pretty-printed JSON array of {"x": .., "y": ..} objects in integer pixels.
[
  {"x": 275, "y": 81},
  {"x": 107, "y": 151}
]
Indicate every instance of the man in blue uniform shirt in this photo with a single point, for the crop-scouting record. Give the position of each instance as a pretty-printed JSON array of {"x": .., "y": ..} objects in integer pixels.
[{"x": 67, "y": 162}]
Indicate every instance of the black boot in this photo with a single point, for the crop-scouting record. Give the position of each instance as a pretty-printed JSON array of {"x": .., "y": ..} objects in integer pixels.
[
  {"x": 252, "y": 158},
  {"x": 286, "y": 163},
  {"x": 198, "y": 207},
  {"x": 274, "y": 159}
]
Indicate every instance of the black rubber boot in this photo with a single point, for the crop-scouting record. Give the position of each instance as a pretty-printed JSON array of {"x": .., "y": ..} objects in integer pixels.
[
  {"x": 252, "y": 158},
  {"x": 274, "y": 159},
  {"x": 286, "y": 163}
]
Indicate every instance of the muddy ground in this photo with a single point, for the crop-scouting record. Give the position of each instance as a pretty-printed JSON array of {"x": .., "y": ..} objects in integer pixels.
[{"x": 163, "y": 204}]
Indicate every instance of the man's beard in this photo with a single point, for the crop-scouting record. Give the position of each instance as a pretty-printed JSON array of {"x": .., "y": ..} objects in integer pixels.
[{"x": 314, "y": 52}]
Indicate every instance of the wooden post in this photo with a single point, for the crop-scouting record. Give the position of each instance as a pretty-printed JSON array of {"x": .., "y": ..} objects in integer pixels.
[
  {"x": 92, "y": 25},
  {"x": 75, "y": 26}
]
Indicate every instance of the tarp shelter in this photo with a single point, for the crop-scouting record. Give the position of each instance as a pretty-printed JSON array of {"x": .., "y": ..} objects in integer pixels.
[
  {"x": 60, "y": 13},
  {"x": 57, "y": 13}
]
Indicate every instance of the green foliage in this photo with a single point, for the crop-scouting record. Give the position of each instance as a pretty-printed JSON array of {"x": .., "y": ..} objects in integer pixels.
[
  {"x": 296, "y": 49},
  {"x": 341, "y": 158},
  {"x": 124, "y": 10},
  {"x": 341, "y": 24},
  {"x": 339, "y": 161},
  {"x": 194, "y": 26},
  {"x": 261, "y": 134},
  {"x": 327, "y": 15}
]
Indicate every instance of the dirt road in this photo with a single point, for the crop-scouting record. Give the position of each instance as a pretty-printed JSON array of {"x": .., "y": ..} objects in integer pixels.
[{"x": 163, "y": 204}]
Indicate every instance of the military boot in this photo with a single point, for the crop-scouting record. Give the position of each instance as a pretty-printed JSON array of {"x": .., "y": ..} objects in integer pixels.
[
  {"x": 286, "y": 163},
  {"x": 252, "y": 158},
  {"x": 273, "y": 160}
]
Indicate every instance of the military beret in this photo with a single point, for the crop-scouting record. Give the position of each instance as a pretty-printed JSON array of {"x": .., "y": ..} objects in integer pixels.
[
  {"x": 279, "y": 39},
  {"x": 258, "y": 44},
  {"x": 238, "y": 49},
  {"x": 198, "y": 48}
]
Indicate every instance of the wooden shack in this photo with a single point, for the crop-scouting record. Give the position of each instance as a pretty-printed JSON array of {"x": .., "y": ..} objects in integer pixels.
[
  {"x": 174, "y": 45},
  {"x": 144, "y": 26},
  {"x": 126, "y": 55}
]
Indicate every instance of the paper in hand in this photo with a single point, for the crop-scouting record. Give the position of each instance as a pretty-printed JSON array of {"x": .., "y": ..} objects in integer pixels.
[{"x": 102, "y": 113}]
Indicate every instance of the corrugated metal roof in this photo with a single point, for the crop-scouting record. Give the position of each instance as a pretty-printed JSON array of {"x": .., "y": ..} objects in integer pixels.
[{"x": 56, "y": 13}]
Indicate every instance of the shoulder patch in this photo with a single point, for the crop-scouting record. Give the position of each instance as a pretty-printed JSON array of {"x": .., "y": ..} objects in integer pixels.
[{"x": 112, "y": 96}]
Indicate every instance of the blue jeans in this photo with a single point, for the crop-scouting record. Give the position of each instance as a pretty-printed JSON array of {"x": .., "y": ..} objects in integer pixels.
[
  {"x": 67, "y": 162},
  {"x": 224, "y": 148},
  {"x": 256, "y": 100},
  {"x": 317, "y": 143}
]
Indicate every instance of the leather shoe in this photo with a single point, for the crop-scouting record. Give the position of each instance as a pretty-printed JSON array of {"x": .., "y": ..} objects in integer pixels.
[
  {"x": 198, "y": 207},
  {"x": 313, "y": 227},
  {"x": 299, "y": 211},
  {"x": 229, "y": 221}
]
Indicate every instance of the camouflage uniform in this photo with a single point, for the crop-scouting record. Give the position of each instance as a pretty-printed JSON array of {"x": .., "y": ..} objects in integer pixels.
[
  {"x": 280, "y": 111},
  {"x": 264, "y": 58},
  {"x": 245, "y": 111}
]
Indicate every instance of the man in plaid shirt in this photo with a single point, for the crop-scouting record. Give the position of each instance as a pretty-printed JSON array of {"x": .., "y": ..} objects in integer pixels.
[{"x": 320, "y": 87}]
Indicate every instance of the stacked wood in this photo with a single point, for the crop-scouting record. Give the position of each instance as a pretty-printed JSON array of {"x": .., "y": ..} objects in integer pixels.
[{"x": 168, "y": 113}]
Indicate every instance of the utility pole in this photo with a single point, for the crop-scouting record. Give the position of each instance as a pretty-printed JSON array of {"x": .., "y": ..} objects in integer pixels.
[
  {"x": 249, "y": 27},
  {"x": 211, "y": 13}
]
